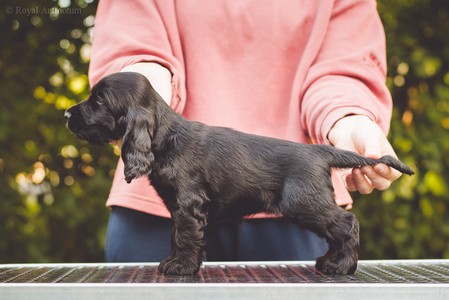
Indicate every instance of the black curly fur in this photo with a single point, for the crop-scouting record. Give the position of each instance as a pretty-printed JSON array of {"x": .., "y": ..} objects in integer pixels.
[{"x": 206, "y": 174}]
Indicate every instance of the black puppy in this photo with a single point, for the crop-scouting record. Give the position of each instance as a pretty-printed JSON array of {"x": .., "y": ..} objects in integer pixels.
[{"x": 205, "y": 174}]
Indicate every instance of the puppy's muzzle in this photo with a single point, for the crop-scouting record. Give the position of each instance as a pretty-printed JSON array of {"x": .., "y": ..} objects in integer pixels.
[{"x": 75, "y": 122}]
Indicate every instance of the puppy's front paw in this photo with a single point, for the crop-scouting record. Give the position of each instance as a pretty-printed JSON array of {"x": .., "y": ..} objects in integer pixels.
[
  {"x": 163, "y": 263},
  {"x": 177, "y": 266},
  {"x": 329, "y": 266}
]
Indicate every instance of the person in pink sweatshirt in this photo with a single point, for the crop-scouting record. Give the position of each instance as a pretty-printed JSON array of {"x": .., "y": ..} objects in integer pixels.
[{"x": 303, "y": 71}]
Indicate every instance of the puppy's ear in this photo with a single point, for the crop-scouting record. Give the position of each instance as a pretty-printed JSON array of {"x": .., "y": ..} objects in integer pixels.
[{"x": 136, "y": 148}]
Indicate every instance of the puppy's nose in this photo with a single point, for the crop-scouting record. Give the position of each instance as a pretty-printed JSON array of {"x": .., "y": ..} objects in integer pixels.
[{"x": 67, "y": 114}]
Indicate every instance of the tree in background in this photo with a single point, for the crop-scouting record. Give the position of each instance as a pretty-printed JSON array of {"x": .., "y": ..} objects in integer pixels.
[{"x": 53, "y": 187}]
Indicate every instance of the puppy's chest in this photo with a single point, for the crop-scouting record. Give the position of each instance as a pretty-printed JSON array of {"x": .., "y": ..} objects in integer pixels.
[
  {"x": 162, "y": 178},
  {"x": 168, "y": 173},
  {"x": 172, "y": 173},
  {"x": 164, "y": 171}
]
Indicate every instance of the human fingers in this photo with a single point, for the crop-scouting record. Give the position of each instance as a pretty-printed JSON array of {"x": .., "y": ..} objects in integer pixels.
[
  {"x": 367, "y": 178},
  {"x": 349, "y": 181},
  {"x": 377, "y": 180},
  {"x": 360, "y": 182},
  {"x": 387, "y": 172},
  {"x": 381, "y": 176}
]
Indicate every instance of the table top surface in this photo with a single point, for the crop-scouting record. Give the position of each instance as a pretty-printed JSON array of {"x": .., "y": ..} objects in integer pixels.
[{"x": 368, "y": 272}]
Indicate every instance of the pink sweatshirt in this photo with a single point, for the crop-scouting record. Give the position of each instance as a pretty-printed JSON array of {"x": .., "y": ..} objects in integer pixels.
[{"x": 281, "y": 68}]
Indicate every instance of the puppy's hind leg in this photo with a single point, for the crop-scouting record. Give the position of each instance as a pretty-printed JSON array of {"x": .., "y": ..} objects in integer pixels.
[
  {"x": 342, "y": 256},
  {"x": 318, "y": 212}
]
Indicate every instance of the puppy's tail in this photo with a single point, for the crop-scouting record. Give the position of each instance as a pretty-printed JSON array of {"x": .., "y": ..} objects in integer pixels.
[{"x": 346, "y": 159}]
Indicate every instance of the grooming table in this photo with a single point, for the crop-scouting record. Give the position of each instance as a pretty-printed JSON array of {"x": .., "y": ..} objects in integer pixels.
[{"x": 379, "y": 280}]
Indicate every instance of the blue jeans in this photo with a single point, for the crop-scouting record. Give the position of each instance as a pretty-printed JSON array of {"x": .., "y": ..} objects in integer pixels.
[{"x": 134, "y": 236}]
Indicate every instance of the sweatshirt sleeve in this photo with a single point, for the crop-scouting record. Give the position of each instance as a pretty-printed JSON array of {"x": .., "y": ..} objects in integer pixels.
[
  {"x": 127, "y": 32},
  {"x": 349, "y": 71}
]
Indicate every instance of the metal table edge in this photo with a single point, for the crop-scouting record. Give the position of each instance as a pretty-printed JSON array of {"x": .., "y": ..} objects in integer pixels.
[{"x": 216, "y": 291}]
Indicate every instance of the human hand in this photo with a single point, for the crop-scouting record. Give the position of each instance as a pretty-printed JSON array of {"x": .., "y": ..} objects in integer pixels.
[
  {"x": 360, "y": 134},
  {"x": 159, "y": 76}
]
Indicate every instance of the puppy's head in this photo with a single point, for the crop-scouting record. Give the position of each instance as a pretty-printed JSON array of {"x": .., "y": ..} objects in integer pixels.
[{"x": 121, "y": 106}]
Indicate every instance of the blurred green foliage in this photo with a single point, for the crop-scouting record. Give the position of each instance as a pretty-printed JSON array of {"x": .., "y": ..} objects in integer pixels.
[
  {"x": 411, "y": 219},
  {"x": 53, "y": 187}
]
